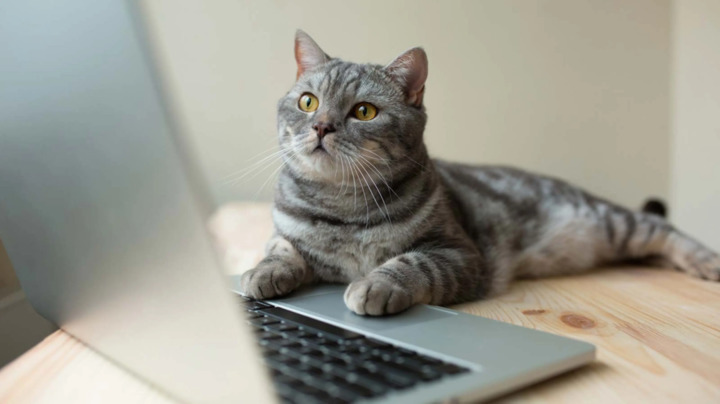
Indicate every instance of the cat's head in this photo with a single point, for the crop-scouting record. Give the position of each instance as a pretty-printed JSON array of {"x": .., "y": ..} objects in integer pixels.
[{"x": 339, "y": 116}]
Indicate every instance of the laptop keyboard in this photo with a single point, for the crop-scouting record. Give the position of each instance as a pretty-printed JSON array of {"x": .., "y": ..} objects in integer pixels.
[{"x": 315, "y": 362}]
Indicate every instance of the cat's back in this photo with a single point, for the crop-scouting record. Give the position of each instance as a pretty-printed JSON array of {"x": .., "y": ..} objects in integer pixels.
[
  {"x": 509, "y": 186},
  {"x": 495, "y": 204},
  {"x": 494, "y": 182}
]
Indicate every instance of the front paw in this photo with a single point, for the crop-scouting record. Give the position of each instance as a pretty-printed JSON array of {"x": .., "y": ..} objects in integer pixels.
[
  {"x": 376, "y": 297},
  {"x": 270, "y": 279}
]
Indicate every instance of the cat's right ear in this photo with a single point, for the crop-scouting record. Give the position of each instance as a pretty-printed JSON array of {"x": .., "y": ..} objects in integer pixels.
[{"x": 308, "y": 54}]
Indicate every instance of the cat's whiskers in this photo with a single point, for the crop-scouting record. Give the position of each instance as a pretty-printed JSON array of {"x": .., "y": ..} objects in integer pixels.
[
  {"x": 387, "y": 211},
  {"x": 377, "y": 156},
  {"x": 354, "y": 186},
  {"x": 363, "y": 172},
  {"x": 277, "y": 170},
  {"x": 344, "y": 184},
  {"x": 380, "y": 175},
  {"x": 341, "y": 153},
  {"x": 274, "y": 148},
  {"x": 362, "y": 188},
  {"x": 272, "y": 152},
  {"x": 336, "y": 169},
  {"x": 337, "y": 158},
  {"x": 258, "y": 167},
  {"x": 411, "y": 159}
]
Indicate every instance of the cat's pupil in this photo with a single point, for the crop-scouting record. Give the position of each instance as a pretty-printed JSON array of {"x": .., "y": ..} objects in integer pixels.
[
  {"x": 363, "y": 110},
  {"x": 308, "y": 101}
]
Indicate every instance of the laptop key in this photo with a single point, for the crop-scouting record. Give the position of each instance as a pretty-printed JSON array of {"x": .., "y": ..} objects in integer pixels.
[
  {"x": 372, "y": 385},
  {"x": 287, "y": 327},
  {"x": 394, "y": 366},
  {"x": 309, "y": 369},
  {"x": 341, "y": 388},
  {"x": 376, "y": 343},
  {"x": 406, "y": 352},
  {"x": 266, "y": 335},
  {"x": 451, "y": 369},
  {"x": 400, "y": 381},
  {"x": 289, "y": 343},
  {"x": 311, "y": 323},
  {"x": 431, "y": 361},
  {"x": 263, "y": 321},
  {"x": 254, "y": 304},
  {"x": 311, "y": 361}
]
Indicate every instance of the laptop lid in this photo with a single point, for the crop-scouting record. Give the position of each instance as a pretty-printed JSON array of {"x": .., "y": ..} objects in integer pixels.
[{"x": 97, "y": 212}]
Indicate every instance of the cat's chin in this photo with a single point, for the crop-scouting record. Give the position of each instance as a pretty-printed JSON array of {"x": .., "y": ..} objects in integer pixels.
[
  {"x": 320, "y": 158},
  {"x": 320, "y": 166}
]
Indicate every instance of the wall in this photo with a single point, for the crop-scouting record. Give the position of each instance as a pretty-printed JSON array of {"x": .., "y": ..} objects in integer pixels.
[
  {"x": 576, "y": 89},
  {"x": 696, "y": 124}
]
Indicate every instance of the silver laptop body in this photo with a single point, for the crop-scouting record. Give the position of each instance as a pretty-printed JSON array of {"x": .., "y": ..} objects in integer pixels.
[{"x": 103, "y": 216}]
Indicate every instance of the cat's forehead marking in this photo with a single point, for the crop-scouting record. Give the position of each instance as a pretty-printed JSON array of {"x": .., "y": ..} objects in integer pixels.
[{"x": 337, "y": 78}]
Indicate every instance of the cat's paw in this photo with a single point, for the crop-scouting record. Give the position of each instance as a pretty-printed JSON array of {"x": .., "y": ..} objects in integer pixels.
[
  {"x": 376, "y": 297},
  {"x": 704, "y": 264},
  {"x": 270, "y": 279}
]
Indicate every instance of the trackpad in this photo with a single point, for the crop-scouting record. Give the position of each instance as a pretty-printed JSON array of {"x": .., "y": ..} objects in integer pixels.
[{"x": 326, "y": 303}]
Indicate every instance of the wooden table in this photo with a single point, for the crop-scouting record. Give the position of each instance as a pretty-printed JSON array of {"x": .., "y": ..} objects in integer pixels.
[{"x": 657, "y": 333}]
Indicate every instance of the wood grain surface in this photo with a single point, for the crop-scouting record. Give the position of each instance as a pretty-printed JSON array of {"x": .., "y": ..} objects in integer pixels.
[{"x": 657, "y": 333}]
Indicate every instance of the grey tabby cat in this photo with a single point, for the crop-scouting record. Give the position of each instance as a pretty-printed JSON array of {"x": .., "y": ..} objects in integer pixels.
[{"x": 360, "y": 202}]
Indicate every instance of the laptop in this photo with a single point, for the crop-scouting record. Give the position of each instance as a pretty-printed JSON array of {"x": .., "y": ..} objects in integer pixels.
[{"x": 104, "y": 215}]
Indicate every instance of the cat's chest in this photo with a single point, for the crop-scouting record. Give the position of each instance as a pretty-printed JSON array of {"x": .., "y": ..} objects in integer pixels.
[{"x": 340, "y": 252}]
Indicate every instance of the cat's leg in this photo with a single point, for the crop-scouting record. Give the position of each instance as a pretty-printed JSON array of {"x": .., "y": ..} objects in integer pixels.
[
  {"x": 649, "y": 237},
  {"x": 279, "y": 273},
  {"x": 437, "y": 276},
  {"x": 601, "y": 233}
]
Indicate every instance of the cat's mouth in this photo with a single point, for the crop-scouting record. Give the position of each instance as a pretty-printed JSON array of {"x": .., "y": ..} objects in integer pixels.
[{"x": 319, "y": 149}]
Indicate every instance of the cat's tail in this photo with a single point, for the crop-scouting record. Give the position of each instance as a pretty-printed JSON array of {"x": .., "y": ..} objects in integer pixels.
[{"x": 655, "y": 206}]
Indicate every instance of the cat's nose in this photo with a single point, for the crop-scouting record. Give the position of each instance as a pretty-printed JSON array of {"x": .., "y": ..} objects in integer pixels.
[{"x": 323, "y": 128}]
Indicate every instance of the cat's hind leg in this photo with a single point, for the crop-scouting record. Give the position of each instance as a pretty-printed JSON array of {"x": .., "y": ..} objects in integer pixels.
[
  {"x": 649, "y": 237},
  {"x": 576, "y": 239}
]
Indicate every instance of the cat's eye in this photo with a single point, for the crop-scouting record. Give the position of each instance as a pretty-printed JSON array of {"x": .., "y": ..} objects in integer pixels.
[
  {"x": 364, "y": 111},
  {"x": 308, "y": 102}
]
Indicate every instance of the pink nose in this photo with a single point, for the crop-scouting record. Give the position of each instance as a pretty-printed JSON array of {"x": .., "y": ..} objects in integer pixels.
[{"x": 323, "y": 128}]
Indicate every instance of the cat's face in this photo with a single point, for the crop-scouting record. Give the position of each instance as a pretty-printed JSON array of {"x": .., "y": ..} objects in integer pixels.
[{"x": 344, "y": 121}]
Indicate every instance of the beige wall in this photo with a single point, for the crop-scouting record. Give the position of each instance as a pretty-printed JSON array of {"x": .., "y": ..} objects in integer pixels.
[
  {"x": 577, "y": 89},
  {"x": 696, "y": 124}
]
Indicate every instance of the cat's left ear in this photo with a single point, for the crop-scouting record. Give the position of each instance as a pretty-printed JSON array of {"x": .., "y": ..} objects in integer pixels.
[
  {"x": 410, "y": 70},
  {"x": 308, "y": 54}
]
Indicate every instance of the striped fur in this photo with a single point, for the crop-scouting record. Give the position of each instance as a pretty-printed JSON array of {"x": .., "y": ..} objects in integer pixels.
[{"x": 372, "y": 210}]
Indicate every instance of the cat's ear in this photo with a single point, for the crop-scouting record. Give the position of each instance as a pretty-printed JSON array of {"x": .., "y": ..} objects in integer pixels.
[
  {"x": 307, "y": 53},
  {"x": 410, "y": 70}
]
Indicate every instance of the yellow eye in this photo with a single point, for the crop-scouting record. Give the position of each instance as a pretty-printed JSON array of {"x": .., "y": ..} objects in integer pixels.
[
  {"x": 365, "y": 111},
  {"x": 308, "y": 102}
]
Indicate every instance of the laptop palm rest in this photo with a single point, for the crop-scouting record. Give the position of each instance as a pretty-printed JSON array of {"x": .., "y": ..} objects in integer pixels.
[{"x": 325, "y": 302}]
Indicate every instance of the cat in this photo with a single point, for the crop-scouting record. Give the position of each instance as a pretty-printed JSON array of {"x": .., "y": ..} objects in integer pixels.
[{"x": 359, "y": 201}]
